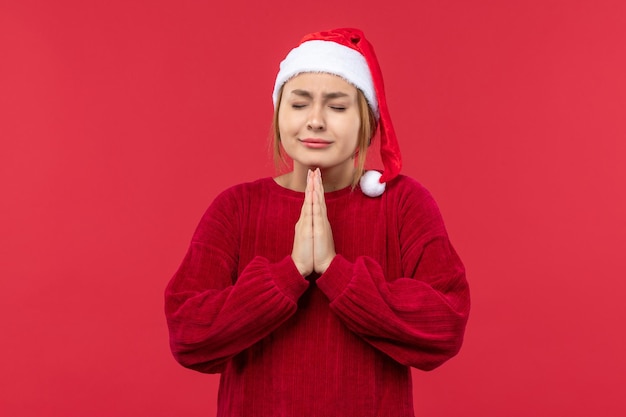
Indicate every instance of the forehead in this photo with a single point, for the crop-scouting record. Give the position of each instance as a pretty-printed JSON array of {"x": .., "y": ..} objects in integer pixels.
[{"x": 319, "y": 82}]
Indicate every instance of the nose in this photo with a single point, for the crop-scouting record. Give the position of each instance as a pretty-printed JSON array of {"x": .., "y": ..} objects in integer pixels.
[{"x": 316, "y": 121}]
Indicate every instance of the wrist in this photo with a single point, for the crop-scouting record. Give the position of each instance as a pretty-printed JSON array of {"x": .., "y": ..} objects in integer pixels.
[
  {"x": 322, "y": 267},
  {"x": 302, "y": 269}
]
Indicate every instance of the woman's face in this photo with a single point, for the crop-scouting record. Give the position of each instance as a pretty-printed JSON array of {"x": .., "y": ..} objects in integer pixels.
[{"x": 319, "y": 121}]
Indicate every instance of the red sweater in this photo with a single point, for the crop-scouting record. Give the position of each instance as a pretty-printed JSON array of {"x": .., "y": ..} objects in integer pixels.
[{"x": 339, "y": 344}]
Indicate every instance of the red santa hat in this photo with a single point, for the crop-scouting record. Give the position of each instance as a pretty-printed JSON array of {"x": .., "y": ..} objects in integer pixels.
[{"x": 347, "y": 54}]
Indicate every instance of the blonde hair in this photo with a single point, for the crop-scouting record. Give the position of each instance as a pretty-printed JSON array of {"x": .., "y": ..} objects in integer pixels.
[{"x": 366, "y": 132}]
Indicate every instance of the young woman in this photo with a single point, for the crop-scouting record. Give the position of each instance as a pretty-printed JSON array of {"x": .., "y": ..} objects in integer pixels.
[{"x": 313, "y": 293}]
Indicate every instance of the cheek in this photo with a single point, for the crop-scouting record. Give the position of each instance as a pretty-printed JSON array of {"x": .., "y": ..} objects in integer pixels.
[
  {"x": 353, "y": 128},
  {"x": 286, "y": 122},
  {"x": 282, "y": 125}
]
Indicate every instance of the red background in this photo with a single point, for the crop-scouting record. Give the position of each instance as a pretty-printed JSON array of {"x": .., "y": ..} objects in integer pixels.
[{"x": 121, "y": 120}]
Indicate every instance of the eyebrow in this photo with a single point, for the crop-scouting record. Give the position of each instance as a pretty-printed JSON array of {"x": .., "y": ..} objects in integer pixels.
[{"x": 326, "y": 96}]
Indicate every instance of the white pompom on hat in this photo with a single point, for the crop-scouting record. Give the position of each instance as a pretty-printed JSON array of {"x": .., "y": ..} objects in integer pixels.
[{"x": 347, "y": 54}]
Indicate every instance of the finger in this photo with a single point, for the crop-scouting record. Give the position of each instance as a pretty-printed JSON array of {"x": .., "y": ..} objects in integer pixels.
[
  {"x": 323, "y": 245},
  {"x": 315, "y": 207},
  {"x": 307, "y": 193},
  {"x": 302, "y": 251},
  {"x": 319, "y": 191}
]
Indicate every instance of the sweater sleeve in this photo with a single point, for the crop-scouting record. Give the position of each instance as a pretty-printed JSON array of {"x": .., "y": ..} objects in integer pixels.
[
  {"x": 418, "y": 319},
  {"x": 212, "y": 313}
]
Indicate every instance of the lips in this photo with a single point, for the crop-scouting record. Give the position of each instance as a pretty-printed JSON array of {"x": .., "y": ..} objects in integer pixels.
[
  {"x": 315, "y": 140},
  {"x": 315, "y": 143}
]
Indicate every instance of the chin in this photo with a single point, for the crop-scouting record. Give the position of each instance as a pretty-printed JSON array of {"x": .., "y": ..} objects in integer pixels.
[{"x": 311, "y": 164}]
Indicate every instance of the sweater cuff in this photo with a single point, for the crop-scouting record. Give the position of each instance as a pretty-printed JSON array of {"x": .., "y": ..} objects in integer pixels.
[
  {"x": 336, "y": 278},
  {"x": 288, "y": 278}
]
